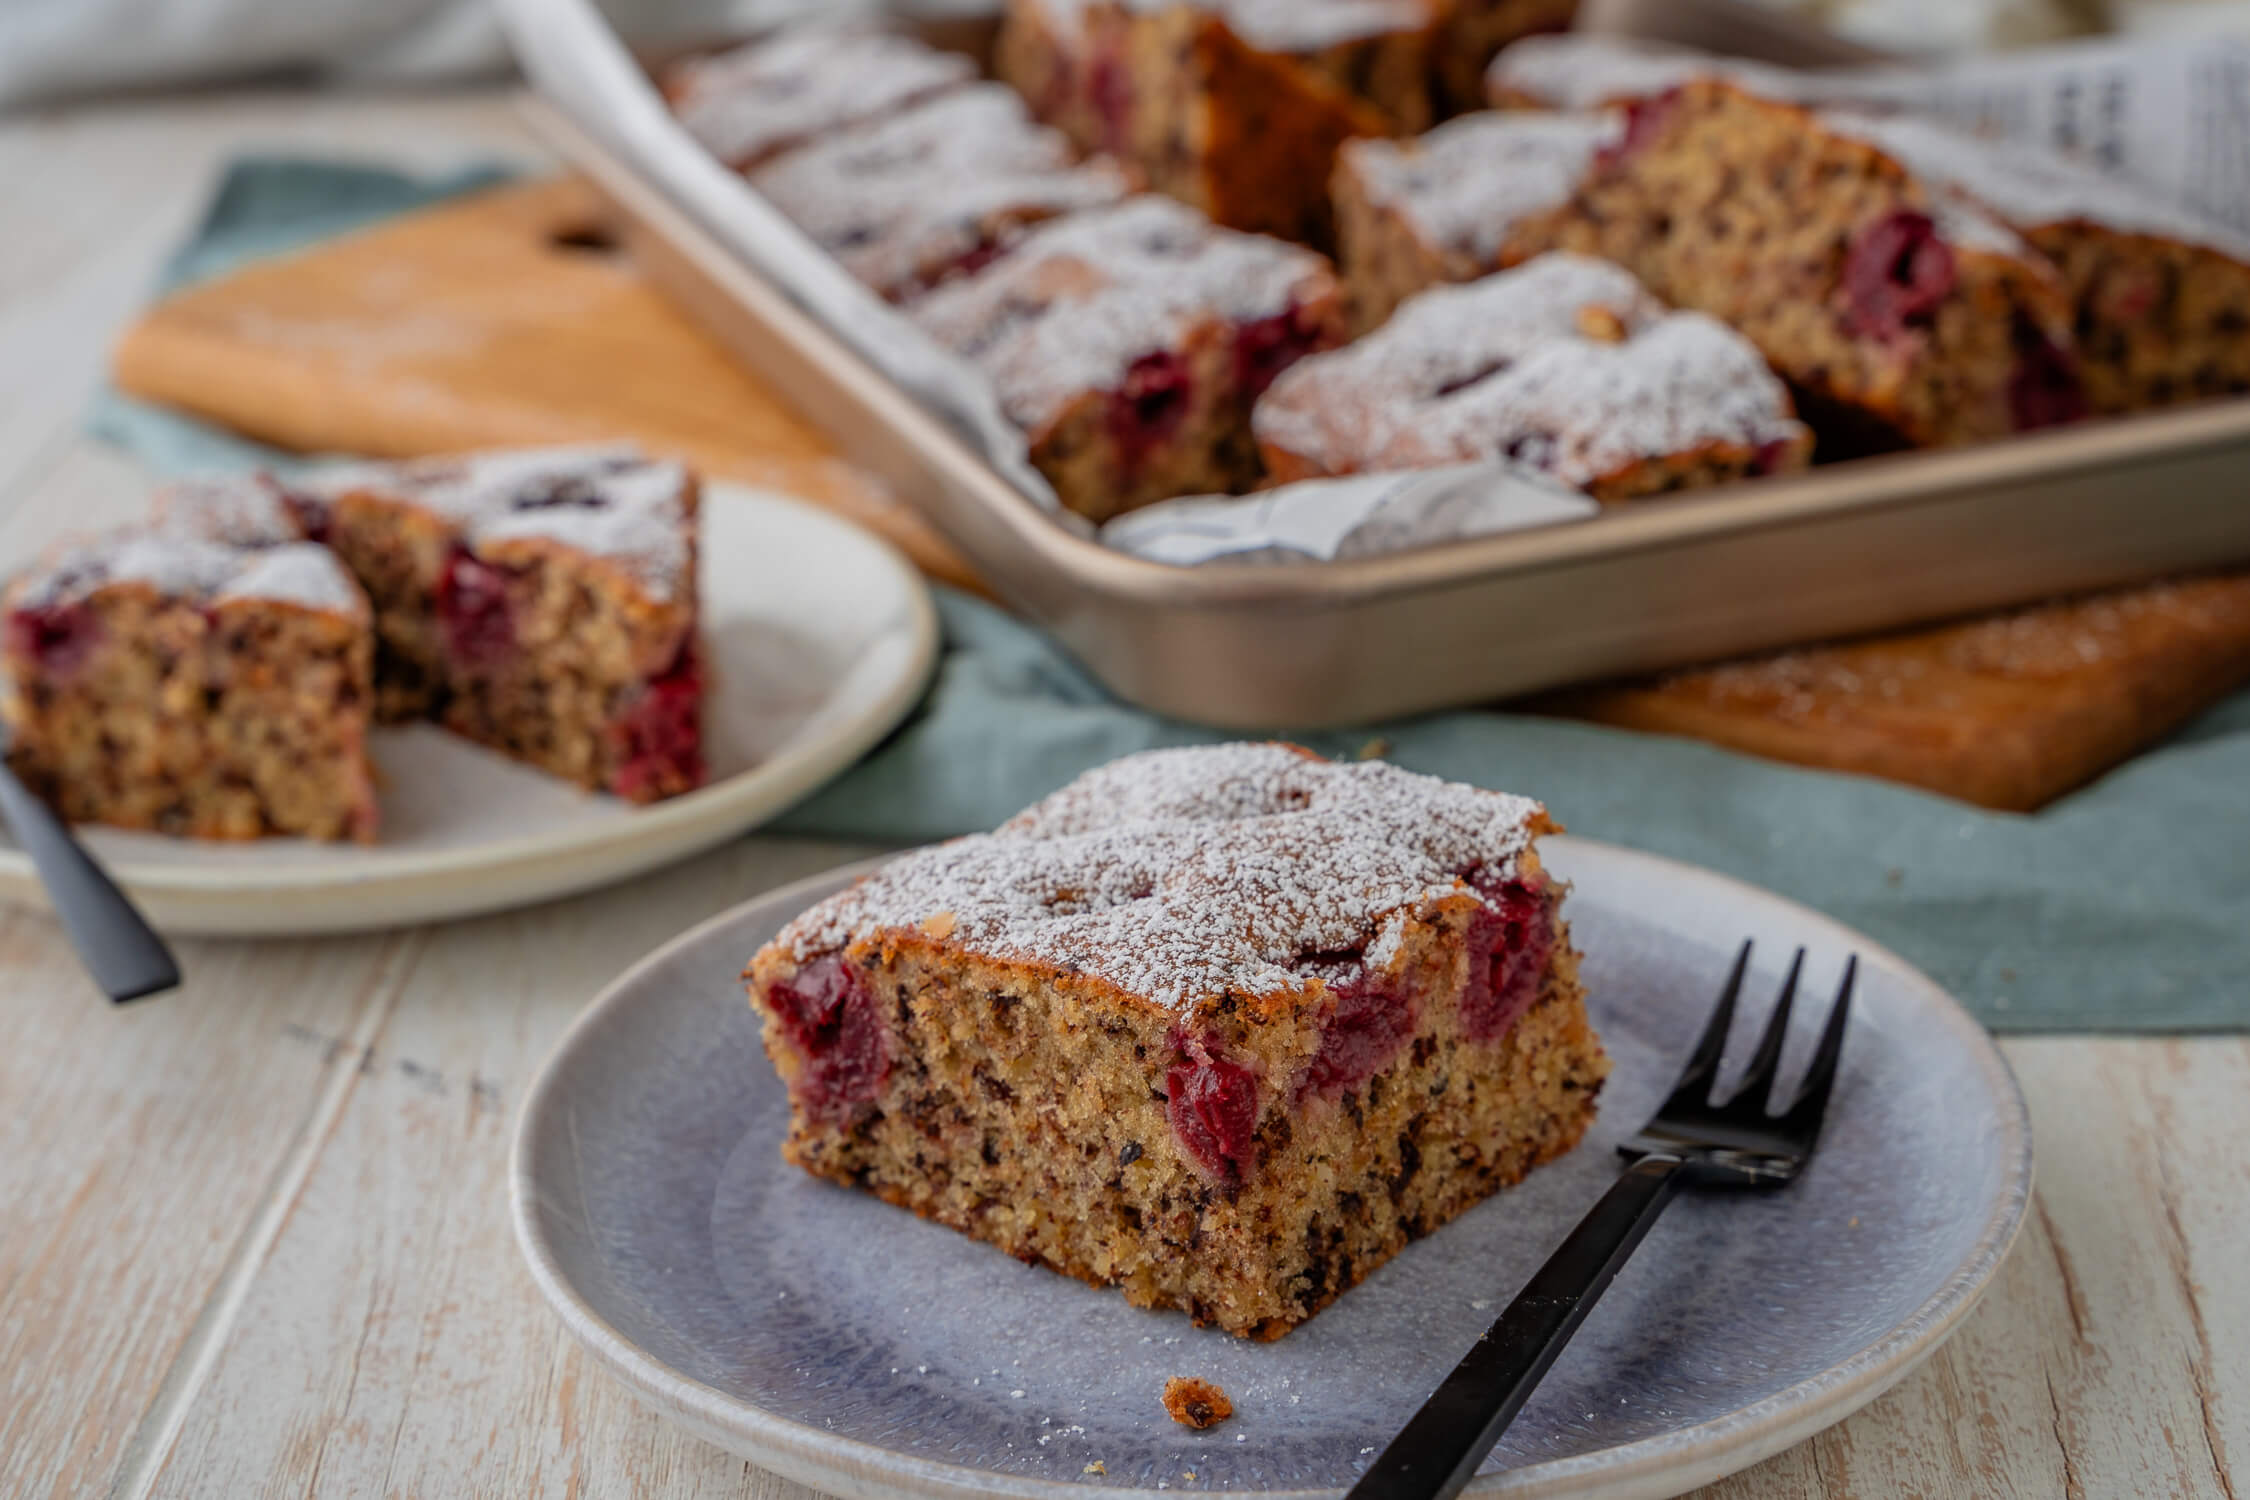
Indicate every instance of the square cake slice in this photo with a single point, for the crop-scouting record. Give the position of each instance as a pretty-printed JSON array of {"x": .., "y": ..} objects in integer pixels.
[
  {"x": 1129, "y": 343},
  {"x": 184, "y": 686},
  {"x": 750, "y": 104},
  {"x": 539, "y": 601},
  {"x": 936, "y": 190},
  {"x": 1565, "y": 365},
  {"x": 1442, "y": 207},
  {"x": 1233, "y": 106},
  {"x": 1223, "y": 1027},
  {"x": 1902, "y": 315}
]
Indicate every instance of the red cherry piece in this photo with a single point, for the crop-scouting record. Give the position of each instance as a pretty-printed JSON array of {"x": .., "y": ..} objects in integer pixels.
[
  {"x": 1510, "y": 940},
  {"x": 1896, "y": 273},
  {"x": 827, "y": 1010},
  {"x": 659, "y": 737},
  {"x": 1214, "y": 1108},
  {"x": 472, "y": 604}
]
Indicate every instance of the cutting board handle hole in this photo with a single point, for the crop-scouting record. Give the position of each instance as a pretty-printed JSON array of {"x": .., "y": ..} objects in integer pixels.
[{"x": 589, "y": 238}]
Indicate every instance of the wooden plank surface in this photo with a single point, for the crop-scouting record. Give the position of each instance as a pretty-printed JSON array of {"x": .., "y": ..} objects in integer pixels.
[{"x": 254, "y": 1239}]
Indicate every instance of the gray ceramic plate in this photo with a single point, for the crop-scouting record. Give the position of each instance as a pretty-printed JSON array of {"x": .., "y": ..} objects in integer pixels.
[{"x": 819, "y": 1333}]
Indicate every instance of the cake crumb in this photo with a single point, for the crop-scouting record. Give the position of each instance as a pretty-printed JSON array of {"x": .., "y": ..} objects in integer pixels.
[
  {"x": 1096, "y": 1467},
  {"x": 1196, "y": 1403}
]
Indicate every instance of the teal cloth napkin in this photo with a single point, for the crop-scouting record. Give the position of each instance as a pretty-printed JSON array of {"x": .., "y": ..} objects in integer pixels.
[{"x": 2125, "y": 907}]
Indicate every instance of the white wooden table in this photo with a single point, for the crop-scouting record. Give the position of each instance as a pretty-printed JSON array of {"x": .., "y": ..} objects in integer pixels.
[{"x": 253, "y": 1238}]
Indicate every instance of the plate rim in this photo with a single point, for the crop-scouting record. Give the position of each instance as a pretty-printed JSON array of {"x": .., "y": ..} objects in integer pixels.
[
  {"x": 674, "y": 828},
  {"x": 1665, "y": 1464}
]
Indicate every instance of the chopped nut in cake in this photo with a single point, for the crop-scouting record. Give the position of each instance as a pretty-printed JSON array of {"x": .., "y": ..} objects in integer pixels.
[
  {"x": 185, "y": 686},
  {"x": 938, "y": 189},
  {"x": 1565, "y": 365},
  {"x": 1130, "y": 342},
  {"x": 1223, "y": 1027}
]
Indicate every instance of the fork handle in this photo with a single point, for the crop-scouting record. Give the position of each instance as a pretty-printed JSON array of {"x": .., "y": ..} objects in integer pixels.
[
  {"x": 1437, "y": 1452},
  {"x": 122, "y": 953}
]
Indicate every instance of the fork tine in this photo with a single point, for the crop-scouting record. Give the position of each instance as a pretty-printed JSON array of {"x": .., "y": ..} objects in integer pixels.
[
  {"x": 1811, "y": 1103},
  {"x": 1757, "y": 1083},
  {"x": 1702, "y": 1068}
]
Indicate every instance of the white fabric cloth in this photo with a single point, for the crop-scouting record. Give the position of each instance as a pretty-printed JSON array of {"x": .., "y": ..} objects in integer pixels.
[{"x": 51, "y": 48}]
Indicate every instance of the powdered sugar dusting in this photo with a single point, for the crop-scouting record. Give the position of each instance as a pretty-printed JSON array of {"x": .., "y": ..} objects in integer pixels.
[
  {"x": 1503, "y": 368},
  {"x": 608, "y": 500},
  {"x": 899, "y": 200},
  {"x": 1466, "y": 184},
  {"x": 1289, "y": 26},
  {"x": 746, "y": 104},
  {"x": 1082, "y": 298},
  {"x": 299, "y": 573},
  {"x": 1183, "y": 874},
  {"x": 241, "y": 510},
  {"x": 1585, "y": 70},
  {"x": 191, "y": 568},
  {"x": 2029, "y": 187}
]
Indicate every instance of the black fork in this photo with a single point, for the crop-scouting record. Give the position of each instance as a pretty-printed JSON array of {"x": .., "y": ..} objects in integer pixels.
[{"x": 1697, "y": 1139}]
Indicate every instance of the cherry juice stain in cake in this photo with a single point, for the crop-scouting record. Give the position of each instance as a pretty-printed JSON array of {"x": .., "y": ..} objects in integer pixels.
[
  {"x": 660, "y": 733},
  {"x": 1369, "y": 1021},
  {"x": 828, "y": 1011},
  {"x": 1896, "y": 273},
  {"x": 2045, "y": 390},
  {"x": 1264, "y": 347},
  {"x": 1510, "y": 942},
  {"x": 1151, "y": 403},
  {"x": 1213, "y": 1104},
  {"x": 59, "y": 638},
  {"x": 472, "y": 602}
]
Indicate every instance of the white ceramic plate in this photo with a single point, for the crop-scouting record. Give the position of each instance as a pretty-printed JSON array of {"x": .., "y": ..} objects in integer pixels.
[
  {"x": 819, "y": 638},
  {"x": 847, "y": 1344}
]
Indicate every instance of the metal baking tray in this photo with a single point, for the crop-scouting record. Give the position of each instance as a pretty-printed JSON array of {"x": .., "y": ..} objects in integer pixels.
[{"x": 1846, "y": 549}]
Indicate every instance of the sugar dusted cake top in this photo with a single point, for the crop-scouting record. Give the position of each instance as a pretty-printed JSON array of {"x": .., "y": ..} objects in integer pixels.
[
  {"x": 609, "y": 501},
  {"x": 745, "y": 104},
  {"x": 887, "y": 198},
  {"x": 1272, "y": 25},
  {"x": 1582, "y": 70},
  {"x": 191, "y": 568},
  {"x": 2030, "y": 187},
  {"x": 1566, "y": 364},
  {"x": 1464, "y": 185},
  {"x": 1079, "y": 300},
  {"x": 1182, "y": 874}
]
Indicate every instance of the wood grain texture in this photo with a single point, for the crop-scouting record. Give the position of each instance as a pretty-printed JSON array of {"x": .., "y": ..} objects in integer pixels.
[
  {"x": 2008, "y": 712},
  {"x": 505, "y": 318}
]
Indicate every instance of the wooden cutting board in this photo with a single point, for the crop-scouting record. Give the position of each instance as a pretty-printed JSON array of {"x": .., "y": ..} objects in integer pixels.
[
  {"x": 507, "y": 317},
  {"x": 510, "y": 318}
]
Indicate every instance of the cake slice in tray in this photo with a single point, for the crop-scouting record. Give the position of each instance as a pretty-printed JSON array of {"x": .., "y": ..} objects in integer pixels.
[
  {"x": 1565, "y": 365},
  {"x": 540, "y": 601},
  {"x": 1441, "y": 207},
  {"x": 2160, "y": 295},
  {"x": 937, "y": 189},
  {"x": 1471, "y": 32},
  {"x": 1901, "y": 316},
  {"x": 1234, "y": 106},
  {"x": 1223, "y": 1027},
  {"x": 1130, "y": 342},
  {"x": 184, "y": 686},
  {"x": 756, "y": 101}
]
